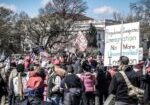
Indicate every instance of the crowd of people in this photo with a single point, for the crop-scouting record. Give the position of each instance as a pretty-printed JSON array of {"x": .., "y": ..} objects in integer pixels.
[{"x": 72, "y": 79}]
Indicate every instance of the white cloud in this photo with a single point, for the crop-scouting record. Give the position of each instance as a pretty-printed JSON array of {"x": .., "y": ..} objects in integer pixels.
[
  {"x": 104, "y": 10},
  {"x": 9, "y": 6},
  {"x": 44, "y": 2}
]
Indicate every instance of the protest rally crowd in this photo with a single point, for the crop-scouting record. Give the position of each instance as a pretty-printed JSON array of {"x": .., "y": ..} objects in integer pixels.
[{"x": 72, "y": 79}]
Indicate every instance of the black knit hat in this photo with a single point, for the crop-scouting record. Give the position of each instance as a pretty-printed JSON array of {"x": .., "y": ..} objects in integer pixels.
[
  {"x": 20, "y": 68},
  {"x": 86, "y": 66}
]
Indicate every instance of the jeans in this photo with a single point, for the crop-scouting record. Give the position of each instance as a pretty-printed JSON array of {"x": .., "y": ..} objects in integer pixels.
[
  {"x": 34, "y": 100},
  {"x": 55, "y": 100},
  {"x": 88, "y": 98},
  {"x": 71, "y": 99}
]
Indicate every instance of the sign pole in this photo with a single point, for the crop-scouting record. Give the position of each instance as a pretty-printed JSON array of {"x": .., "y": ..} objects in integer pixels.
[{"x": 121, "y": 38}]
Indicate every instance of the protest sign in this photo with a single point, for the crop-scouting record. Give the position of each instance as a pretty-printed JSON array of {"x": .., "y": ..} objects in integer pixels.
[
  {"x": 121, "y": 40},
  {"x": 81, "y": 42}
]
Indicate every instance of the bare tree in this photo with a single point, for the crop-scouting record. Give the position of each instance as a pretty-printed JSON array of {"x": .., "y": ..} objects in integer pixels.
[
  {"x": 5, "y": 27},
  {"x": 117, "y": 16},
  {"x": 55, "y": 22},
  {"x": 142, "y": 14}
]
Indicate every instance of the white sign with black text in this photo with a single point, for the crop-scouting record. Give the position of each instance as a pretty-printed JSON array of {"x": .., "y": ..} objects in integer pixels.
[{"x": 121, "y": 40}]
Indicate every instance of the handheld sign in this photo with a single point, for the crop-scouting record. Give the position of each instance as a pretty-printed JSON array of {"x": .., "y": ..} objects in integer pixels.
[{"x": 121, "y": 40}]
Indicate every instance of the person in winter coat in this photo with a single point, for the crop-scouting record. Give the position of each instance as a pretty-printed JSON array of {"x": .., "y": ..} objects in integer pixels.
[
  {"x": 89, "y": 82},
  {"x": 18, "y": 86},
  {"x": 103, "y": 81},
  {"x": 72, "y": 87},
  {"x": 3, "y": 83},
  {"x": 54, "y": 97},
  {"x": 27, "y": 61},
  {"x": 13, "y": 72},
  {"x": 146, "y": 80},
  {"x": 35, "y": 88},
  {"x": 3, "y": 91},
  {"x": 77, "y": 64},
  {"x": 118, "y": 86}
]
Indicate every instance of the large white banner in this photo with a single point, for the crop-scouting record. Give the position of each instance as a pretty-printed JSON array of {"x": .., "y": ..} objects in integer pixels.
[{"x": 121, "y": 40}]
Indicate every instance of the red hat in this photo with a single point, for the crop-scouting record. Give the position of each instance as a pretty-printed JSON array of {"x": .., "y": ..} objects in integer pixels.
[{"x": 56, "y": 62}]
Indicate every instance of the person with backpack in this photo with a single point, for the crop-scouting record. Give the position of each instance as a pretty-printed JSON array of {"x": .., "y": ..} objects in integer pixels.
[
  {"x": 119, "y": 86},
  {"x": 72, "y": 87},
  {"x": 18, "y": 85},
  {"x": 54, "y": 96},
  {"x": 89, "y": 81}
]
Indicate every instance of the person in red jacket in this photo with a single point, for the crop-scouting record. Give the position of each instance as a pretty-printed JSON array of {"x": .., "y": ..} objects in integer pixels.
[{"x": 35, "y": 88}]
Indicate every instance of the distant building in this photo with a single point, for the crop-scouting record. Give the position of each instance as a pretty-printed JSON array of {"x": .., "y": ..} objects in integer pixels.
[{"x": 100, "y": 25}]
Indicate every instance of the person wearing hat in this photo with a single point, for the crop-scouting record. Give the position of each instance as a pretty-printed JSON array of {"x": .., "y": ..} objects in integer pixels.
[{"x": 118, "y": 86}]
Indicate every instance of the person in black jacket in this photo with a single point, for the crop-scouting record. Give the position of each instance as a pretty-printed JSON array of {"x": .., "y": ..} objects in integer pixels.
[
  {"x": 146, "y": 83},
  {"x": 119, "y": 87},
  {"x": 103, "y": 81},
  {"x": 72, "y": 88},
  {"x": 146, "y": 80}
]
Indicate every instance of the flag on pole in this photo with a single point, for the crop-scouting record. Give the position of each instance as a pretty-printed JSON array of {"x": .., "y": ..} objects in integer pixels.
[{"x": 81, "y": 42}]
